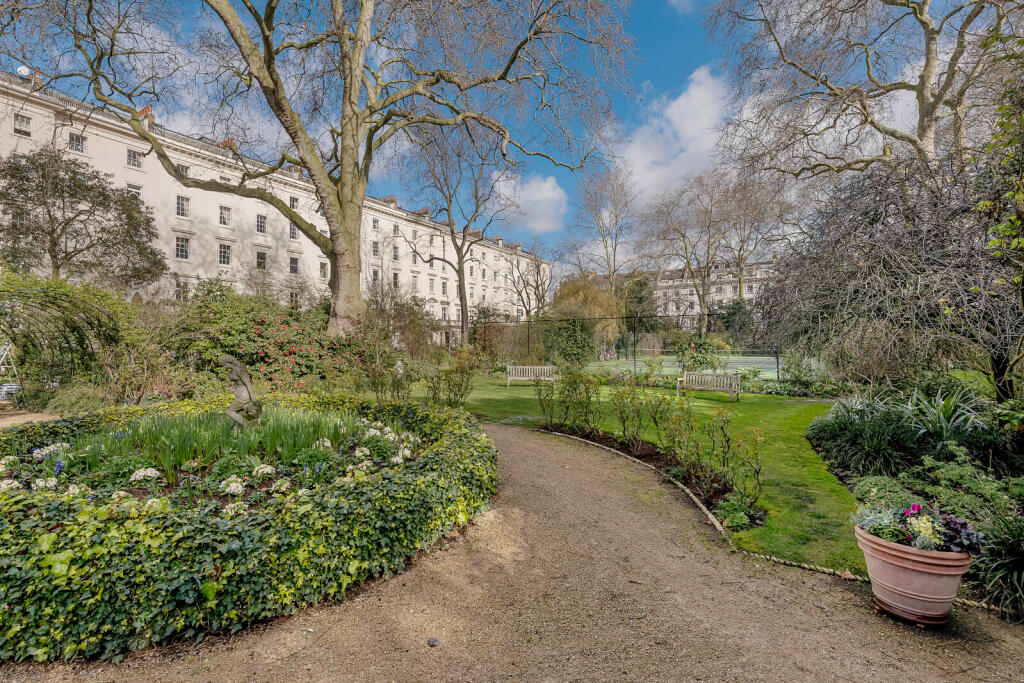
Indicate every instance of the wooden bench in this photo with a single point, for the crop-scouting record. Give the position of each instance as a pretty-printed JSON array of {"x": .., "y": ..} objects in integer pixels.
[
  {"x": 528, "y": 373},
  {"x": 710, "y": 381}
]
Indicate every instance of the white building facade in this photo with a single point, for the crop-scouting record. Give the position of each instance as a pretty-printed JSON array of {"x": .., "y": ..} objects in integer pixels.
[{"x": 246, "y": 242}]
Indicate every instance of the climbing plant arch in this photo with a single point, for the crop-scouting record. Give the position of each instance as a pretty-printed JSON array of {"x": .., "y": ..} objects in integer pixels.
[{"x": 56, "y": 335}]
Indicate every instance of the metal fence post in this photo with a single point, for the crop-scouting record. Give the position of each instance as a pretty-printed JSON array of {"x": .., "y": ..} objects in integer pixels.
[
  {"x": 778, "y": 374},
  {"x": 528, "y": 354}
]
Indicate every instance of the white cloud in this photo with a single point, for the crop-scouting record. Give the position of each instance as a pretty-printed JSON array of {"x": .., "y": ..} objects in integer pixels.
[
  {"x": 683, "y": 6},
  {"x": 679, "y": 134},
  {"x": 541, "y": 203}
]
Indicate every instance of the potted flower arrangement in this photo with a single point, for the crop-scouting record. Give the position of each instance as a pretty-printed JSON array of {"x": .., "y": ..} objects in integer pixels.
[{"x": 915, "y": 558}]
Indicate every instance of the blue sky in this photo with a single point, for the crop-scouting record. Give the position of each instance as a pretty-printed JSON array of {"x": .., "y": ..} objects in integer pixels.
[{"x": 679, "y": 95}]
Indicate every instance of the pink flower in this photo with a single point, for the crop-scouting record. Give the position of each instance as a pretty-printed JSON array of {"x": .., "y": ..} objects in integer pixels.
[{"x": 914, "y": 509}]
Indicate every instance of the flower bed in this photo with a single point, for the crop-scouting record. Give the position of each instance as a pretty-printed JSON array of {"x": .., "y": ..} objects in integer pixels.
[{"x": 92, "y": 566}]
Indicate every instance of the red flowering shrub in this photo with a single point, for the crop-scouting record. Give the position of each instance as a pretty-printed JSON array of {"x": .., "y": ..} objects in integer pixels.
[{"x": 282, "y": 346}]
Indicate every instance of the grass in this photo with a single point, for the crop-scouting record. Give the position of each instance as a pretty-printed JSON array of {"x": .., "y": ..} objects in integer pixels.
[{"x": 808, "y": 509}]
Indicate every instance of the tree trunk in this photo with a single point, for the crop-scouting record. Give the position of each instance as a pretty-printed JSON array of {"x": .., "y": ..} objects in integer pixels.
[
  {"x": 347, "y": 305},
  {"x": 1002, "y": 380},
  {"x": 463, "y": 304}
]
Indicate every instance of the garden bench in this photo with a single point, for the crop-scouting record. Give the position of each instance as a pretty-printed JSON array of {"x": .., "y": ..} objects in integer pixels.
[
  {"x": 528, "y": 373},
  {"x": 710, "y": 381}
]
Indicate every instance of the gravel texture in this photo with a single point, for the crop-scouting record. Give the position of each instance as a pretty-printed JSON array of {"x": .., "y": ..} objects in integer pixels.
[{"x": 587, "y": 568}]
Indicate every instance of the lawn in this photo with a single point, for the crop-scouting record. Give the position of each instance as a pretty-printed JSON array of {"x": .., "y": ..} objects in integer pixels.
[{"x": 808, "y": 509}]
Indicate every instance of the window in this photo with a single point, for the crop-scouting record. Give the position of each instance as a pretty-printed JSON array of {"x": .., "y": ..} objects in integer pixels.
[
  {"x": 431, "y": 286},
  {"x": 261, "y": 224},
  {"x": 483, "y": 295},
  {"x": 691, "y": 306},
  {"x": 224, "y": 179},
  {"x": 483, "y": 273},
  {"x": 415, "y": 234},
  {"x": 181, "y": 247},
  {"x": 394, "y": 280},
  {"x": 182, "y": 207},
  {"x": 472, "y": 293},
  {"x": 181, "y": 290},
  {"x": 444, "y": 287},
  {"x": 76, "y": 143},
  {"x": 750, "y": 289},
  {"x": 182, "y": 169},
  {"x": 323, "y": 270},
  {"x": 134, "y": 159},
  {"x": 415, "y": 284},
  {"x": 224, "y": 254},
  {"x": 431, "y": 240},
  {"x": 293, "y": 265},
  {"x": 444, "y": 313},
  {"x": 394, "y": 253},
  {"x": 225, "y": 216},
  {"x": 261, "y": 260},
  {"x": 293, "y": 231},
  {"x": 471, "y": 271},
  {"x": 431, "y": 262},
  {"x": 376, "y": 224},
  {"x": 376, "y": 275},
  {"x": 413, "y": 254},
  {"x": 718, "y": 289},
  {"x": 394, "y": 230},
  {"x": 134, "y": 189},
  {"x": 23, "y": 125},
  {"x": 293, "y": 298},
  {"x": 735, "y": 289},
  {"x": 293, "y": 203},
  {"x": 375, "y": 248}
]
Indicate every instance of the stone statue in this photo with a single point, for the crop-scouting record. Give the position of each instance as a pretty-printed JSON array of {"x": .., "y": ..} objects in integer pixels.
[{"x": 245, "y": 410}]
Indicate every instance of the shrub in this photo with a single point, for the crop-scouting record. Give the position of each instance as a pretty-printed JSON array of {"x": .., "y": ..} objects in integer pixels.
[
  {"x": 630, "y": 411},
  {"x": 1000, "y": 570},
  {"x": 720, "y": 464},
  {"x": 865, "y": 436},
  {"x": 450, "y": 384},
  {"x": 576, "y": 392},
  {"x": 943, "y": 416},
  {"x": 884, "y": 491},
  {"x": 546, "y": 398},
  {"x": 182, "y": 573},
  {"x": 700, "y": 352},
  {"x": 963, "y": 488}
]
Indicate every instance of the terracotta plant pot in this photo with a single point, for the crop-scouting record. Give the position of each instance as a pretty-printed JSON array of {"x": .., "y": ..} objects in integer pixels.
[{"x": 919, "y": 585}]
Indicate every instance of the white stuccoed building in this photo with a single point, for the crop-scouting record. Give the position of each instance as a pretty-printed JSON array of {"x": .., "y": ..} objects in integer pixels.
[{"x": 244, "y": 241}]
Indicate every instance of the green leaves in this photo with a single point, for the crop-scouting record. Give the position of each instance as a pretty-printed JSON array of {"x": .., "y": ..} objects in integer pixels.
[{"x": 79, "y": 579}]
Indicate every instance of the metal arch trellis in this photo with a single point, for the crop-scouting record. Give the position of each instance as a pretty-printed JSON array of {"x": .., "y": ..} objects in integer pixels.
[{"x": 56, "y": 336}]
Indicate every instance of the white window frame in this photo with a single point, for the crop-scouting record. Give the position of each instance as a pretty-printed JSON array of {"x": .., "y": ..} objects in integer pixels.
[
  {"x": 261, "y": 223},
  {"x": 183, "y": 207},
  {"x": 182, "y": 245},
  {"x": 223, "y": 254},
  {"x": 224, "y": 216},
  {"x": 22, "y": 125},
  {"x": 133, "y": 159},
  {"x": 72, "y": 137}
]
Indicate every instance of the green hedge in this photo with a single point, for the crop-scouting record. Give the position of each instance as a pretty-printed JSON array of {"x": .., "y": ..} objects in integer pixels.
[{"x": 79, "y": 579}]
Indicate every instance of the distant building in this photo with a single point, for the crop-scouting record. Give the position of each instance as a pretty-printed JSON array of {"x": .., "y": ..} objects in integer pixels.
[
  {"x": 676, "y": 295},
  {"x": 245, "y": 241}
]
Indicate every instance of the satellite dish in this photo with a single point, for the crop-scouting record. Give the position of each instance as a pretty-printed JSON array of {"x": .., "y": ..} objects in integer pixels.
[{"x": 24, "y": 71}]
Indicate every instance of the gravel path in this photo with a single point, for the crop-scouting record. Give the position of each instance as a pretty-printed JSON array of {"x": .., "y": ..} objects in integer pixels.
[{"x": 587, "y": 568}]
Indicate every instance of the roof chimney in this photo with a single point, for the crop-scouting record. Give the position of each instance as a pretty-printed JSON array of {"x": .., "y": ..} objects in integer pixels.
[
  {"x": 227, "y": 144},
  {"x": 146, "y": 114}
]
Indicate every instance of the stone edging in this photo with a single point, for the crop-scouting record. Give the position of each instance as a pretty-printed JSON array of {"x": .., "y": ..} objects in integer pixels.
[{"x": 846, "y": 575}]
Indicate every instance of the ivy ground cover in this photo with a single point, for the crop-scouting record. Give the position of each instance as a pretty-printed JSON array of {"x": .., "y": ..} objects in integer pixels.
[{"x": 129, "y": 528}]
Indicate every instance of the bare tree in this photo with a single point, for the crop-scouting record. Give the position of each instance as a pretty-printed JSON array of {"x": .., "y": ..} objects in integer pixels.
[
  {"x": 840, "y": 85},
  {"x": 530, "y": 278},
  {"x": 897, "y": 273},
  {"x": 688, "y": 227},
  {"x": 462, "y": 174},
  {"x": 339, "y": 78},
  {"x": 604, "y": 237},
  {"x": 756, "y": 213}
]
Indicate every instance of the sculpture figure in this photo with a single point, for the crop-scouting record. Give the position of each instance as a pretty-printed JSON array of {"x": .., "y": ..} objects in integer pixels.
[{"x": 246, "y": 409}]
